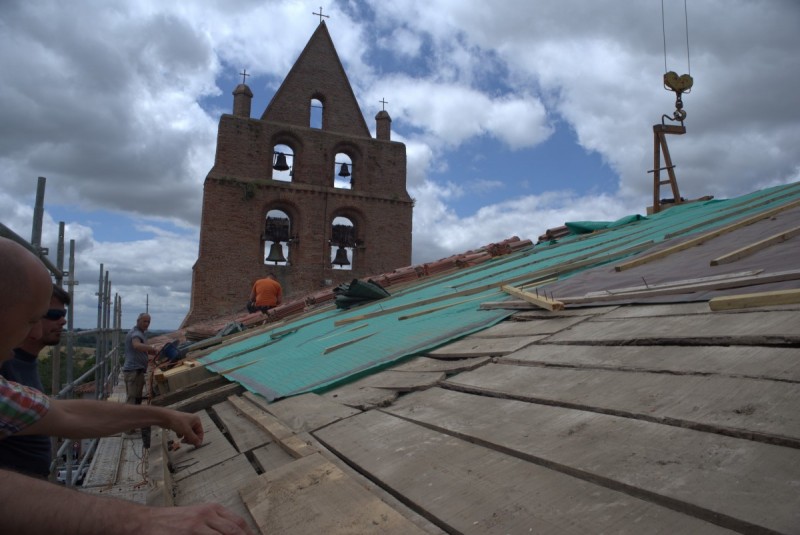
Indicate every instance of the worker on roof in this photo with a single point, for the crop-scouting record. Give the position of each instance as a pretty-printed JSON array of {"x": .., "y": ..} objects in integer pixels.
[
  {"x": 267, "y": 293},
  {"x": 134, "y": 368},
  {"x": 25, "y": 293}
]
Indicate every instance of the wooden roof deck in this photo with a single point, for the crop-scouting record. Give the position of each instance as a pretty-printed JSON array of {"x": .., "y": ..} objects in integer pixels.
[
  {"x": 575, "y": 423},
  {"x": 635, "y": 410}
]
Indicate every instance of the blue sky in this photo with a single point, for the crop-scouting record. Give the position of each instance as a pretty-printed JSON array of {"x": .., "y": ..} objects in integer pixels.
[{"x": 517, "y": 115}]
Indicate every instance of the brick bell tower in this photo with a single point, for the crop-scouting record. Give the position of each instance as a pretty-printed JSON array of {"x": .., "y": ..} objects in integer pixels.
[{"x": 304, "y": 192}]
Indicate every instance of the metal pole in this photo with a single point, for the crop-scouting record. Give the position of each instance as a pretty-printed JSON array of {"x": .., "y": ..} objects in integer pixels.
[
  {"x": 56, "y": 351},
  {"x": 118, "y": 337},
  {"x": 107, "y": 365},
  {"x": 38, "y": 215},
  {"x": 106, "y": 337},
  {"x": 98, "y": 346},
  {"x": 71, "y": 282}
]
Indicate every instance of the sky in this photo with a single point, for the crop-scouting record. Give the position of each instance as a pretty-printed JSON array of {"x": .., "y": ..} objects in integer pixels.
[{"x": 517, "y": 115}]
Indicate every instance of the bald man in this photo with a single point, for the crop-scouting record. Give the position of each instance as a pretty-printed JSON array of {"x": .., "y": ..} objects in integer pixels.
[{"x": 25, "y": 290}]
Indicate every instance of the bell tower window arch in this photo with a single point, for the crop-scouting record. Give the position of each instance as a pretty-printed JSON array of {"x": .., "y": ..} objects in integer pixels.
[
  {"x": 316, "y": 112},
  {"x": 282, "y": 162},
  {"x": 346, "y": 244},
  {"x": 279, "y": 237},
  {"x": 347, "y": 165},
  {"x": 343, "y": 243},
  {"x": 343, "y": 170}
]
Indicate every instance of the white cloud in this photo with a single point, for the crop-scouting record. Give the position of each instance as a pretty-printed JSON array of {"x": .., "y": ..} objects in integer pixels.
[
  {"x": 402, "y": 42},
  {"x": 448, "y": 115},
  {"x": 525, "y": 217}
]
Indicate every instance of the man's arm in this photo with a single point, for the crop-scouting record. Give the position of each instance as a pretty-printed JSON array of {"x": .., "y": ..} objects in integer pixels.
[
  {"x": 34, "y": 506},
  {"x": 139, "y": 345},
  {"x": 82, "y": 418}
]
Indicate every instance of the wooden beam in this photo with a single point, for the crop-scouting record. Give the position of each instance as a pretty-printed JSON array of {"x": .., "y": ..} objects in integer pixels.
[
  {"x": 538, "y": 300},
  {"x": 206, "y": 399},
  {"x": 284, "y": 436},
  {"x": 641, "y": 260},
  {"x": 755, "y": 247},
  {"x": 761, "y": 299},
  {"x": 205, "y": 385}
]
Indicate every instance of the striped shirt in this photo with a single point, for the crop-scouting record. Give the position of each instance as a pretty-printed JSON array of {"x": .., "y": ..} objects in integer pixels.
[{"x": 20, "y": 407}]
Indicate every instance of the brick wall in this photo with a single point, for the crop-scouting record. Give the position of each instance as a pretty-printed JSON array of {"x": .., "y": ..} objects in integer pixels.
[{"x": 240, "y": 190}]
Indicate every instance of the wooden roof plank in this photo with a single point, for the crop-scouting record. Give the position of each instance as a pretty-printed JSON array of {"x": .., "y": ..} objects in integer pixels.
[
  {"x": 403, "y": 381},
  {"x": 736, "y": 407},
  {"x": 753, "y": 248},
  {"x": 361, "y": 397},
  {"x": 271, "y": 456},
  {"x": 529, "y": 327},
  {"x": 188, "y": 460},
  {"x": 274, "y": 427},
  {"x": 244, "y": 433},
  {"x": 754, "y": 362},
  {"x": 702, "y": 286},
  {"x": 739, "y": 328},
  {"x": 425, "y": 364},
  {"x": 467, "y": 488},
  {"x": 219, "y": 484},
  {"x": 667, "y": 464},
  {"x": 755, "y": 300},
  {"x": 312, "y": 495},
  {"x": 483, "y": 347},
  {"x": 657, "y": 255},
  {"x": 308, "y": 412}
]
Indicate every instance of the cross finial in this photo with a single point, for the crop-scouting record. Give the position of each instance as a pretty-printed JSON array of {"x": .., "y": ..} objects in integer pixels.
[
  {"x": 320, "y": 15},
  {"x": 383, "y": 103},
  {"x": 244, "y": 76}
]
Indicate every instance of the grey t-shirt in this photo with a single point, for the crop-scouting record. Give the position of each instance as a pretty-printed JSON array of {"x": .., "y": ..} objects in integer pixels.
[{"x": 134, "y": 360}]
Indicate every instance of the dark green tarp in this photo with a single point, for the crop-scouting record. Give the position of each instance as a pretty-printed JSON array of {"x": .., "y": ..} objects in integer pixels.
[{"x": 358, "y": 292}]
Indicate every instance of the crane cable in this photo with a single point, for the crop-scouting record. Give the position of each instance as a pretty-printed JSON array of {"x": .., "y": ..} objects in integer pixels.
[{"x": 664, "y": 34}]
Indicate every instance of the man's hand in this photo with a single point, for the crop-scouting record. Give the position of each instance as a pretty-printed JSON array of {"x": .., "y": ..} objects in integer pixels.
[
  {"x": 187, "y": 427},
  {"x": 210, "y": 518}
]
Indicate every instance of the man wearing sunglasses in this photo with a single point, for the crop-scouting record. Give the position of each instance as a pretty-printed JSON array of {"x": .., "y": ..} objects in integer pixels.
[
  {"x": 25, "y": 289},
  {"x": 31, "y": 454}
]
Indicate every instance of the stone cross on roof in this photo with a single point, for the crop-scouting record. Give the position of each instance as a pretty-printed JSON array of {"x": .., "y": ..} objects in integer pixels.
[{"x": 244, "y": 76}]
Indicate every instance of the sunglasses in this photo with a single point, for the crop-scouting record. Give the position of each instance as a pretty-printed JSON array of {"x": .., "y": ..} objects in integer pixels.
[{"x": 54, "y": 314}]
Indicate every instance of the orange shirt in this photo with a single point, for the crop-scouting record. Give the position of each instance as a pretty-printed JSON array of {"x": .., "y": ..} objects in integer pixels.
[{"x": 268, "y": 292}]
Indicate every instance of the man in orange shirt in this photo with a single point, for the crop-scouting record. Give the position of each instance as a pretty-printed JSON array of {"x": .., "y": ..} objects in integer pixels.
[{"x": 267, "y": 293}]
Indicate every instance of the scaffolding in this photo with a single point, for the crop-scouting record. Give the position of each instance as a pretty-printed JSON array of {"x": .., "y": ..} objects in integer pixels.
[{"x": 108, "y": 348}]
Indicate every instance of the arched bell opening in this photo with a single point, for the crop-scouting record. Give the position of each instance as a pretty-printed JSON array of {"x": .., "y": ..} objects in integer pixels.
[
  {"x": 342, "y": 244},
  {"x": 277, "y": 237},
  {"x": 343, "y": 171},
  {"x": 282, "y": 163}
]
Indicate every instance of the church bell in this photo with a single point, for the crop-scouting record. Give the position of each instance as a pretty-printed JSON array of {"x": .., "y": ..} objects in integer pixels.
[
  {"x": 280, "y": 162},
  {"x": 276, "y": 253},
  {"x": 344, "y": 170},
  {"x": 341, "y": 257}
]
